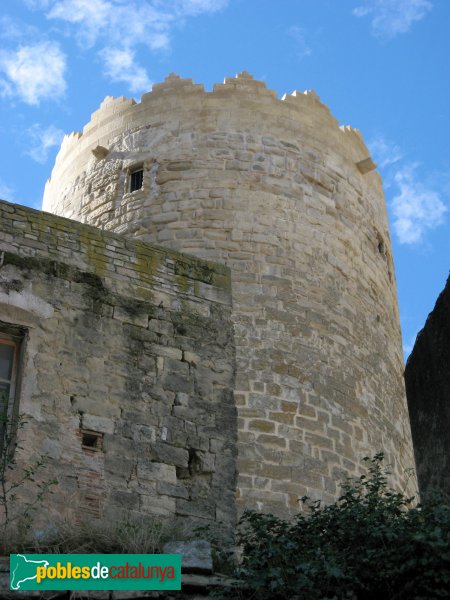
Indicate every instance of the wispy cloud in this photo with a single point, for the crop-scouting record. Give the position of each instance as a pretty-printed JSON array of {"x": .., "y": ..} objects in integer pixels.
[
  {"x": 384, "y": 152},
  {"x": 196, "y": 7},
  {"x": 299, "y": 35},
  {"x": 35, "y": 4},
  {"x": 392, "y": 17},
  {"x": 41, "y": 140},
  {"x": 6, "y": 192},
  {"x": 408, "y": 345},
  {"x": 11, "y": 29},
  {"x": 117, "y": 27},
  {"x": 96, "y": 18},
  {"x": 120, "y": 65},
  {"x": 33, "y": 72},
  {"x": 416, "y": 208}
]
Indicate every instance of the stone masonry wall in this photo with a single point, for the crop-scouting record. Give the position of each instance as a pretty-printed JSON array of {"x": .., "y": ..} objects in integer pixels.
[
  {"x": 286, "y": 198},
  {"x": 127, "y": 374}
]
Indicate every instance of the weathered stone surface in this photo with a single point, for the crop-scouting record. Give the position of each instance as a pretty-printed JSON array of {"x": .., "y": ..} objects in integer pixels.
[
  {"x": 427, "y": 377},
  {"x": 196, "y": 555},
  {"x": 109, "y": 331}
]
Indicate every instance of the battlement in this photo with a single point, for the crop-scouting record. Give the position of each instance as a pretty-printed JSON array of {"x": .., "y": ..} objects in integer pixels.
[{"x": 182, "y": 97}]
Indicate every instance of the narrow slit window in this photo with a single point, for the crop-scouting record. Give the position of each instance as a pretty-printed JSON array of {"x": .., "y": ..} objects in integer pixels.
[
  {"x": 7, "y": 356},
  {"x": 136, "y": 180}
]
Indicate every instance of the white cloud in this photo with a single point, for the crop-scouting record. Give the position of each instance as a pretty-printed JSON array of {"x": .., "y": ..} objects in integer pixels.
[
  {"x": 384, "y": 152},
  {"x": 42, "y": 140},
  {"x": 33, "y": 72},
  {"x": 6, "y": 192},
  {"x": 299, "y": 35},
  {"x": 120, "y": 65},
  {"x": 195, "y": 7},
  {"x": 36, "y": 4},
  {"x": 14, "y": 30},
  {"x": 118, "y": 27},
  {"x": 125, "y": 22},
  {"x": 408, "y": 346},
  {"x": 5, "y": 87},
  {"x": 416, "y": 208},
  {"x": 392, "y": 17},
  {"x": 94, "y": 17}
]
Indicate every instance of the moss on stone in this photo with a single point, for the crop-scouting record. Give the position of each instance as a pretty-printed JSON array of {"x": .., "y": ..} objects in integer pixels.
[
  {"x": 95, "y": 252},
  {"x": 148, "y": 261}
]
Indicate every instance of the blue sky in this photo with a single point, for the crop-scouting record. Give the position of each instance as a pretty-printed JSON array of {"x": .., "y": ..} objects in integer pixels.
[{"x": 382, "y": 66}]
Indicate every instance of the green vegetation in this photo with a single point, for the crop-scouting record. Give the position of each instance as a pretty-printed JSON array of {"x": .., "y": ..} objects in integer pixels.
[
  {"x": 371, "y": 544},
  {"x": 22, "y": 495},
  {"x": 129, "y": 535},
  {"x": 16, "y": 516}
]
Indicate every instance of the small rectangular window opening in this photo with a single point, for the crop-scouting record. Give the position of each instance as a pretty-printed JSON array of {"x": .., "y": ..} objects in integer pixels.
[
  {"x": 91, "y": 440},
  {"x": 136, "y": 180}
]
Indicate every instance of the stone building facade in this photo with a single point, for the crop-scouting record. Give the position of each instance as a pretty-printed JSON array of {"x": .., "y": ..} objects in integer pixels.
[
  {"x": 124, "y": 372},
  {"x": 290, "y": 202}
]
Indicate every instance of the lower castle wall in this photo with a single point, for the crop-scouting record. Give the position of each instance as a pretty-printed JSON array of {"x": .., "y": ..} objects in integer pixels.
[{"x": 127, "y": 370}]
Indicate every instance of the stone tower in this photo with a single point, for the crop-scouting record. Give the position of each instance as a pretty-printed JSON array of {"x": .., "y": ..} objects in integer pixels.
[{"x": 289, "y": 201}]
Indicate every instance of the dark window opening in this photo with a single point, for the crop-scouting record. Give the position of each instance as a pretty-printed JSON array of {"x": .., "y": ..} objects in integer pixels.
[
  {"x": 10, "y": 358},
  {"x": 7, "y": 360},
  {"x": 136, "y": 180},
  {"x": 91, "y": 440}
]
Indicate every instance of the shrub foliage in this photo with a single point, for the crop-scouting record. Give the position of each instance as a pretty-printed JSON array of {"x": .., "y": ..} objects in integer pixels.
[
  {"x": 371, "y": 545},
  {"x": 16, "y": 513}
]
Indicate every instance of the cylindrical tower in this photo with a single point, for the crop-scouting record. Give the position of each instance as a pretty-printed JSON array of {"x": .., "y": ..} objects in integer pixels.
[{"x": 284, "y": 196}]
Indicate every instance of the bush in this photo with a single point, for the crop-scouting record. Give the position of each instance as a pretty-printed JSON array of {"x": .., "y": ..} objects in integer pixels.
[{"x": 369, "y": 545}]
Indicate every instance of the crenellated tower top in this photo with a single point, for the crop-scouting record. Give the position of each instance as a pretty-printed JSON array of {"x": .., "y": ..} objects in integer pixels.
[{"x": 116, "y": 114}]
